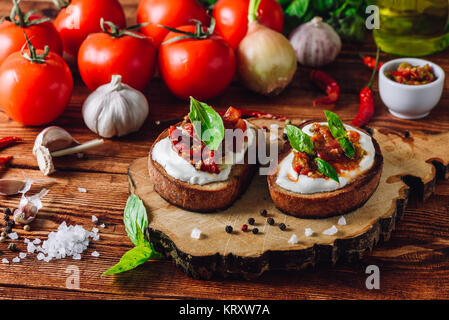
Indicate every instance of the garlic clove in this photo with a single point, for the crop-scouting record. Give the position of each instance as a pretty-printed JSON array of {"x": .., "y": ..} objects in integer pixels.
[
  {"x": 44, "y": 160},
  {"x": 29, "y": 207},
  {"x": 9, "y": 187},
  {"x": 53, "y": 138}
]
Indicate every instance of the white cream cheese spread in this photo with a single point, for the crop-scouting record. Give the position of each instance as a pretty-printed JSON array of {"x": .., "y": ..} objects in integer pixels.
[
  {"x": 288, "y": 178},
  {"x": 178, "y": 168}
]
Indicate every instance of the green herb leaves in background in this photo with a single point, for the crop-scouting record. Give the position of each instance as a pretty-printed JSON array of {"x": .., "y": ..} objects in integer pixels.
[
  {"x": 136, "y": 225},
  {"x": 327, "y": 169},
  {"x": 338, "y": 131},
  {"x": 347, "y": 17},
  {"x": 207, "y": 122}
]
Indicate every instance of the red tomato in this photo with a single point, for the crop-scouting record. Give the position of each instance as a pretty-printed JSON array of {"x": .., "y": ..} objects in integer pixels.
[
  {"x": 198, "y": 68},
  {"x": 101, "y": 56},
  {"x": 82, "y": 17},
  {"x": 42, "y": 34},
  {"x": 34, "y": 93},
  {"x": 169, "y": 13},
  {"x": 232, "y": 18}
]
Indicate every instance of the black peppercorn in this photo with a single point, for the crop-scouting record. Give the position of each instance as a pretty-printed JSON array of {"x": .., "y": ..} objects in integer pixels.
[
  {"x": 6, "y": 218},
  {"x": 284, "y": 136},
  {"x": 282, "y": 226},
  {"x": 263, "y": 213},
  {"x": 255, "y": 231},
  {"x": 7, "y": 211},
  {"x": 251, "y": 221},
  {"x": 12, "y": 247},
  {"x": 270, "y": 221},
  {"x": 8, "y": 229},
  {"x": 228, "y": 229},
  {"x": 407, "y": 134}
]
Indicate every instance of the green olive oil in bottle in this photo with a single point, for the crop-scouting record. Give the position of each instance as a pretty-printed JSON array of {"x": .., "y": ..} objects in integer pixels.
[{"x": 413, "y": 27}]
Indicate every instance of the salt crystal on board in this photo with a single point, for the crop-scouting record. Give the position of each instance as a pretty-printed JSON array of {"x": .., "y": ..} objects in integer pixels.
[
  {"x": 103, "y": 225},
  {"x": 22, "y": 255},
  {"x": 196, "y": 233},
  {"x": 308, "y": 232},
  {"x": 293, "y": 239},
  {"x": 13, "y": 235},
  {"x": 331, "y": 231},
  {"x": 16, "y": 260},
  {"x": 94, "y": 219},
  {"x": 4, "y": 260},
  {"x": 37, "y": 241},
  {"x": 82, "y": 190},
  {"x": 342, "y": 221}
]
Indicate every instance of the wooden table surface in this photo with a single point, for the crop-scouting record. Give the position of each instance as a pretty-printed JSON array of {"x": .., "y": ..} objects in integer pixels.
[{"x": 414, "y": 263}]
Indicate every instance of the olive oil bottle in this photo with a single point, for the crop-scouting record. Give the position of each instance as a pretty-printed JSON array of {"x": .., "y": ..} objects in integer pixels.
[{"x": 413, "y": 27}]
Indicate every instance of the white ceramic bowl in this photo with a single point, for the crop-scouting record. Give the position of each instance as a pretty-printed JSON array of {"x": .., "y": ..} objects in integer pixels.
[{"x": 410, "y": 101}]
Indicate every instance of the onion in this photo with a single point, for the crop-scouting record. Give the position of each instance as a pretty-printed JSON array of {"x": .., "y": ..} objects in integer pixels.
[{"x": 267, "y": 60}]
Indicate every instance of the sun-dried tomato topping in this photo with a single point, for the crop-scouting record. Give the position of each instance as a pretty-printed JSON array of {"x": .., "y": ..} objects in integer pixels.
[
  {"x": 187, "y": 144},
  {"x": 328, "y": 149}
]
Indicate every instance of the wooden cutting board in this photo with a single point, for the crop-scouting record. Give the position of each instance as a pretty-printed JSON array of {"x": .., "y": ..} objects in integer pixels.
[{"x": 412, "y": 162}]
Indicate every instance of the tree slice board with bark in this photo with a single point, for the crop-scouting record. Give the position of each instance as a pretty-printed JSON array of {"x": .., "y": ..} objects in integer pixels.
[{"x": 412, "y": 164}]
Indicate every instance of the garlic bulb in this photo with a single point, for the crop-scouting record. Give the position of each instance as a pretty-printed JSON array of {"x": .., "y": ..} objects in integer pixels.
[
  {"x": 316, "y": 43},
  {"x": 115, "y": 109}
]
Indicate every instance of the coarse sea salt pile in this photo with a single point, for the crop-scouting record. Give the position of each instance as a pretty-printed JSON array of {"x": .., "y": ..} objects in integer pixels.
[{"x": 68, "y": 241}]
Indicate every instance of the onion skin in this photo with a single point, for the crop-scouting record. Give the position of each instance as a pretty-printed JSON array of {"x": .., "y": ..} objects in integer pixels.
[
  {"x": 316, "y": 43},
  {"x": 266, "y": 60}
]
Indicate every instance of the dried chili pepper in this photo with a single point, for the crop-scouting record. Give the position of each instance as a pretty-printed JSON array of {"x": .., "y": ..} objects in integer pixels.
[
  {"x": 366, "y": 108},
  {"x": 370, "y": 62},
  {"x": 5, "y": 160},
  {"x": 327, "y": 84},
  {"x": 5, "y": 142}
]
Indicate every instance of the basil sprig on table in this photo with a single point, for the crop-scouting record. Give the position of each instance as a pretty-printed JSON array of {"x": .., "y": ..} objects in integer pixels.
[
  {"x": 207, "y": 123},
  {"x": 338, "y": 131},
  {"x": 136, "y": 226},
  {"x": 302, "y": 142}
]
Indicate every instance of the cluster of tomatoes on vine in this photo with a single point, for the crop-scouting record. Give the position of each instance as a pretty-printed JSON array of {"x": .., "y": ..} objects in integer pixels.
[{"x": 193, "y": 49}]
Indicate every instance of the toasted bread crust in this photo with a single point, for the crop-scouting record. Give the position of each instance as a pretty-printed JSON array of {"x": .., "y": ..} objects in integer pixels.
[
  {"x": 328, "y": 204},
  {"x": 199, "y": 198}
]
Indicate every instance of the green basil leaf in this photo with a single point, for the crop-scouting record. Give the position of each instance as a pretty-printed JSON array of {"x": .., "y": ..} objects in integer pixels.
[
  {"x": 132, "y": 259},
  {"x": 347, "y": 147},
  {"x": 298, "y": 8},
  {"x": 299, "y": 140},
  {"x": 207, "y": 122},
  {"x": 135, "y": 219},
  {"x": 336, "y": 126},
  {"x": 327, "y": 169},
  {"x": 338, "y": 131}
]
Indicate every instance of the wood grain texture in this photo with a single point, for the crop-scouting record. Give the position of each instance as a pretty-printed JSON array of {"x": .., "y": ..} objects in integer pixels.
[{"x": 413, "y": 264}]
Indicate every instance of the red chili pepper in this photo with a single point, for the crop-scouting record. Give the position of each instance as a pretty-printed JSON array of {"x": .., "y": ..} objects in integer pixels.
[
  {"x": 5, "y": 142},
  {"x": 370, "y": 62},
  {"x": 327, "y": 84},
  {"x": 366, "y": 108},
  {"x": 5, "y": 160}
]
